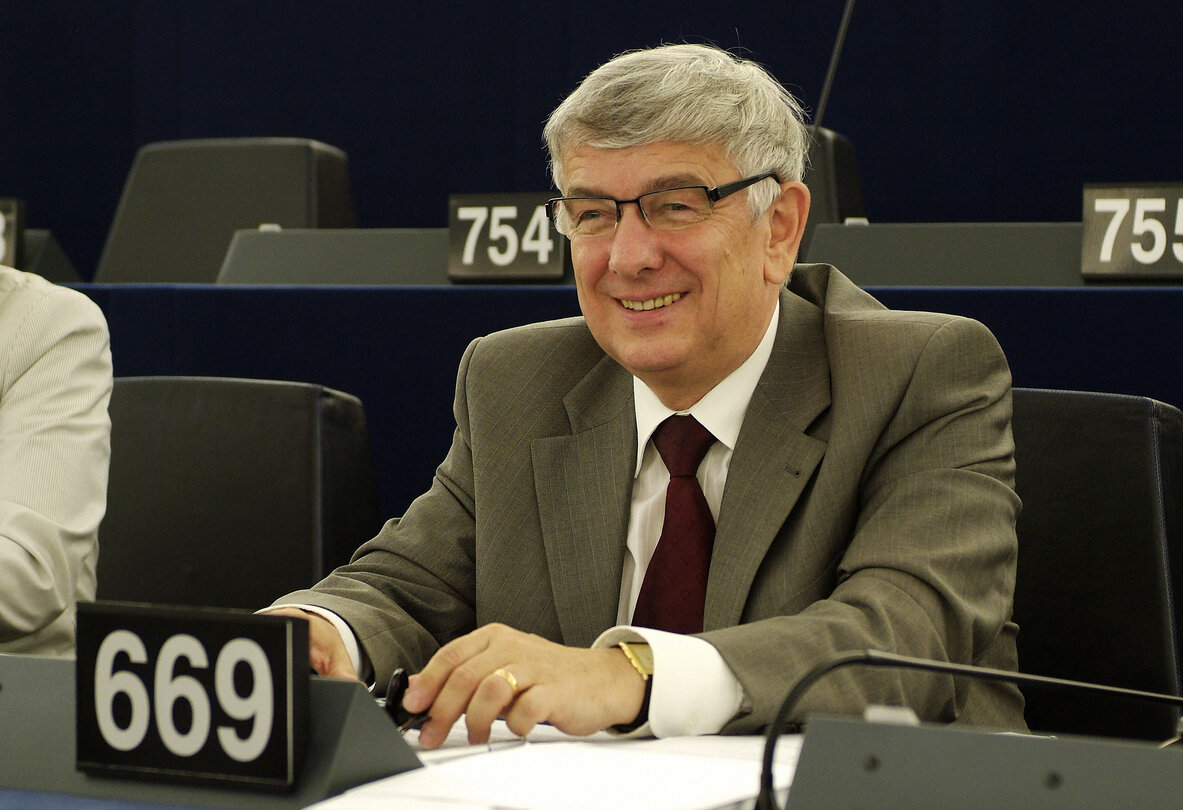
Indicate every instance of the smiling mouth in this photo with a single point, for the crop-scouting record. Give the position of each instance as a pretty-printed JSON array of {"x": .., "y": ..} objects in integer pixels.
[{"x": 651, "y": 303}]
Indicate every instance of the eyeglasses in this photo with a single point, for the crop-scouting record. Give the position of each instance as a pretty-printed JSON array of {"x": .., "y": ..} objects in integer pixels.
[{"x": 669, "y": 209}]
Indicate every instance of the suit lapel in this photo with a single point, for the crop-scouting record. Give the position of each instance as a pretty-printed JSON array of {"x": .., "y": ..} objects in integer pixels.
[
  {"x": 584, "y": 480},
  {"x": 774, "y": 458},
  {"x": 584, "y": 484}
]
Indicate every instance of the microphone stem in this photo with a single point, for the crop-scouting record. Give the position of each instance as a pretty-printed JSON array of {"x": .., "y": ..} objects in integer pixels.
[{"x": 833, "y": 68}]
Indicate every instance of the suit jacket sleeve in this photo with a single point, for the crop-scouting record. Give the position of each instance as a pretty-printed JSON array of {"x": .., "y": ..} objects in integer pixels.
[
  {"x": 473, "y": 549},
  {"x": 905, "y": 539}
]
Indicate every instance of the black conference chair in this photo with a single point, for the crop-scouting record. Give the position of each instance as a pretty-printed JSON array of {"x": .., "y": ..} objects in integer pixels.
[
  {"x": 44, "y": 256},
  {"x": 183, "y": 200},
  {"x": 835, "y": 189},
  {"x": 231, "y": 492},
  {"x": 1100, "y": 476}
]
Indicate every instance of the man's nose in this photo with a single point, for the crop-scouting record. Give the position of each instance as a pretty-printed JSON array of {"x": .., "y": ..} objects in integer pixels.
[{"x": 634, "y": 247}]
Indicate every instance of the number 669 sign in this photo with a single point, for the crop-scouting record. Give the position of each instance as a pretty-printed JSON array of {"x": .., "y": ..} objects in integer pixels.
[
  {"x": 503, "y": 237},
  {"x": 191, "y": 694}
]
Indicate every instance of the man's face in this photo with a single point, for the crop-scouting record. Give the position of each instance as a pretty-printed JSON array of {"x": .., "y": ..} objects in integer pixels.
[{"x": 679, "y": 309}]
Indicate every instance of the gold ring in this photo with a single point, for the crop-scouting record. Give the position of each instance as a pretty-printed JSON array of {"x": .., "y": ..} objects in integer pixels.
[{"x": 509, "y": 679}]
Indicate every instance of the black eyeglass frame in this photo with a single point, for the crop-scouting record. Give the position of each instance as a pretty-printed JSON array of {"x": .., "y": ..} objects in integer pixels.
[{"x": 713, "y": 196}]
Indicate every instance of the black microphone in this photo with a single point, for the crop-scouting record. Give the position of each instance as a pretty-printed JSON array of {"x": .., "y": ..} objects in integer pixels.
[
  {"x": 766, "y": 799},
  {"x": 833, "y": 68}
]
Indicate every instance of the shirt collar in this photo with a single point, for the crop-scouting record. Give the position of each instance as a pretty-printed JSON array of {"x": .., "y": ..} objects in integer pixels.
[{"x": 721, "y": 410}]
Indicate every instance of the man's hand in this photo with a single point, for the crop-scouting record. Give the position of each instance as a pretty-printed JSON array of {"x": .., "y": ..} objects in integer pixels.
[
  {"x": 326, "y": 650},
  {"x": 497, "y": 671}
]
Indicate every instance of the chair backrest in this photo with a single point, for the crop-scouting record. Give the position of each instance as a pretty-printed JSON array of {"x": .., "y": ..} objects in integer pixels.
[
  {"x": 835, "y": 188},
  {"x": 337, "y": 256},
  {"x": 231, "y": 492},
  {"x": 1099, "y": 475},
  {"x": 44, "y": 256},
  {"x": 183, "y": 200}
]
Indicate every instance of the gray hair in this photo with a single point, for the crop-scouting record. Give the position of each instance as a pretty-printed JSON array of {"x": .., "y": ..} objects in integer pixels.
[{"x": 686, "y": 94}]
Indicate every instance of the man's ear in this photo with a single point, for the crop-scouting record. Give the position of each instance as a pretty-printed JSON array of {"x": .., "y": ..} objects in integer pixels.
[{"x": 786, "y": 220}]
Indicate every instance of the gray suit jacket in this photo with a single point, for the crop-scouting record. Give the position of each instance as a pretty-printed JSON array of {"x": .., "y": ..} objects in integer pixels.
[{"x": 869, "y": 504}]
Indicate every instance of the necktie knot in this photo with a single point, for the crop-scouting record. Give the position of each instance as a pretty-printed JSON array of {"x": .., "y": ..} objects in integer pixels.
[{"x": 682, "y": 442}]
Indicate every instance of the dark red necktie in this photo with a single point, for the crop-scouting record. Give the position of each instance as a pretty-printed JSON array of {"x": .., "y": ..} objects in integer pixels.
[{"x": 675, "y": 585}]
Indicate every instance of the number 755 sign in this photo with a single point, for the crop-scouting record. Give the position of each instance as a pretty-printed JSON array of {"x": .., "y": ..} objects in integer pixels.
[
  {"x": 1133, "y": 231},
  {"x": 504, "y": 237}
]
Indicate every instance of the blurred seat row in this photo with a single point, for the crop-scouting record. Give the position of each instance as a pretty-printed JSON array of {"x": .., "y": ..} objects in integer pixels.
[{"x": 281, "y": 211}]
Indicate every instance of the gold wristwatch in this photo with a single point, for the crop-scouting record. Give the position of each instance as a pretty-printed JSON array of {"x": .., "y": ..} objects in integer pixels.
[{"x": 640, "y": 656}]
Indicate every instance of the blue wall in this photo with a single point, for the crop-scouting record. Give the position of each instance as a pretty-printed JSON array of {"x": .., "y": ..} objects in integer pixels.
[{"x": 996, "y": 110}]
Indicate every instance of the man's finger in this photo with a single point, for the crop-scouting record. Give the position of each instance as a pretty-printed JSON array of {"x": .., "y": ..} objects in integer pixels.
[
  {"x": 494, "y": 698},
  {"x": 426, "y": 685},
  {"x": 453, "y": 697}
]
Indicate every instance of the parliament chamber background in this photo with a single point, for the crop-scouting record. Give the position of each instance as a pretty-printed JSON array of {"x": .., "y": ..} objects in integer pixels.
[
  {"x": 985, "y": 112},
  {"x": 982, "y": 112},
  {"x": 959, "y": 113}
]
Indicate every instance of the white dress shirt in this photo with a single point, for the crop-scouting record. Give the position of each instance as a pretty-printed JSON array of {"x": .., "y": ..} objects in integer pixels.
[{"x": 693, "y": 690}]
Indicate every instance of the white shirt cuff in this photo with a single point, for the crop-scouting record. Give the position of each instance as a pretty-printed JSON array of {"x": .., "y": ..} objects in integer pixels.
[{"x": 694, "y": 691}]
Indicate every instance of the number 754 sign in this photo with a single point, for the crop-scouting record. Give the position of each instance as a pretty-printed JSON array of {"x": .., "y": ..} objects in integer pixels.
[
  {"x": 504, "y": 237},
  {"x": 1133, "y": 232}
]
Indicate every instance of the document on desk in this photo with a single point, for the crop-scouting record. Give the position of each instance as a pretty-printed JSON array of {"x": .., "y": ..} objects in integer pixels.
[{"x": 553, "y": 771}]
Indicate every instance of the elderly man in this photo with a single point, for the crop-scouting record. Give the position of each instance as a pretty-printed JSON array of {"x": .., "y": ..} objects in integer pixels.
[{"x": 851, "y": 484}]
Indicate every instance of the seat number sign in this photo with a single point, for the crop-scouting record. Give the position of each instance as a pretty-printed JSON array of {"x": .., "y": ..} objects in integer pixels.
[
  {"x": 1132, "y": 232},
  {"x": 191, "y": 694},
  {"x": 503, "y": 237}
]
